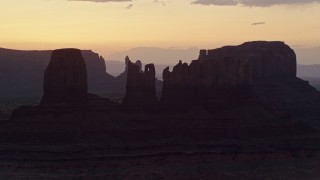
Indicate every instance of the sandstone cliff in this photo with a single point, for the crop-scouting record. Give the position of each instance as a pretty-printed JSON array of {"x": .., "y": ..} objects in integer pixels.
[
  {"x": 263, "y": 59},
  {"x": 65, "y": 79},
  {"x": 141, "y": 85},
  {"x": 235, "y": 114},
  {"x": 99, "y": 81},
  {"x": 65, "y": 89},
  {"x": 231, "y": 75},
  {"x": 21, "y": 73},
  {"x": 121, "y": 80}
]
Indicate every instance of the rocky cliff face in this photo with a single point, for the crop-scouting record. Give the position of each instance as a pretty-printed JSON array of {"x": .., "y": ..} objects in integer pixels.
[
  {"x": 250, "y": 127},
  {"x": 121, "y": 80},
  {"x": 141, "y": 85},
  {"x": 124, "y": 74},
  {"x": 230, "y": 75},
  {"x": 21, "y": 73},
  {"x": 65, "y": 79},
  {"x": 99, "y": 81},
  {"x": 65, "y": 89},
  {"x": 264, "y": 59}
]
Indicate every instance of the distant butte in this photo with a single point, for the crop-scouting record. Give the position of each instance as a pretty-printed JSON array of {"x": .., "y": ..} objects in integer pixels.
[
  {"x": 231, "y": 75},
  {"x": 65, "y": 79}
]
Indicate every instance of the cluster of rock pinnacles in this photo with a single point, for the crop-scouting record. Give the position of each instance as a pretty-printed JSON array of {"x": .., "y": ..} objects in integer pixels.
[{"x": 217, "y": 75}]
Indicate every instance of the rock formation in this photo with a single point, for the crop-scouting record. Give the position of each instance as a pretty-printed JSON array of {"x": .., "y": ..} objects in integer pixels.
[
  {"x": 141, "y": 87},
  {"x": 231, "y": 74},
  {"x": 250, "y": 127},
  {"x": 267, "y": 59},
  {"x": 65, "y": 89},
  {"x": 124, "y": 74},
  {"x": 21, "y": 73},
  {"x": 121, "y": 80},
  {"x": 99, "y": 81},
  {"x": 65, "y": 79}
]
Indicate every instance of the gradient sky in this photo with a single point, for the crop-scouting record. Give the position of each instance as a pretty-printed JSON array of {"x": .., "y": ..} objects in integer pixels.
[{"x": 106, "y": 26}]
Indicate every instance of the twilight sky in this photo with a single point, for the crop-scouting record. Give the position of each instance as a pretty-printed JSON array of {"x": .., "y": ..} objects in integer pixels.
[{"x": 108, "y": 26}]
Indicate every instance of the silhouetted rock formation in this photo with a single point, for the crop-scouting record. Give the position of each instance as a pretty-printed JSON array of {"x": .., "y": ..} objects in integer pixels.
[
  {"x": 141, "y": 86},
  {"x": 124, "y": 74},
  {"x": 229, "y": 75},
  {"x": 21, "y": 73},
  {"x": 121, "y": 80},
  {"x": 65, "y": 89},
  {"x": 263, "y": 59},
  {"x": 65, "y": 79},
  {"x": 99, "y": 81},
  {"x": 253, "y": 124}
]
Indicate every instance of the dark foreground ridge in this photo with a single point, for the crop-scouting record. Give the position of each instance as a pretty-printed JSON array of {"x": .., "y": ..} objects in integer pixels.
[{"x": 232, "y": 103}]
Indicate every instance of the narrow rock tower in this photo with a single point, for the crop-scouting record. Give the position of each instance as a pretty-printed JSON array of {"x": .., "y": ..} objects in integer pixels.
[{"x": 140, "y": 89}]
